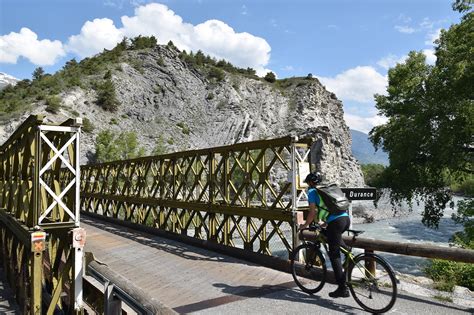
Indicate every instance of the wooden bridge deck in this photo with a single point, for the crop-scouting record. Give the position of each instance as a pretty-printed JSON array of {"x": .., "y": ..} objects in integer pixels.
[{"x": 183, "y": 277}]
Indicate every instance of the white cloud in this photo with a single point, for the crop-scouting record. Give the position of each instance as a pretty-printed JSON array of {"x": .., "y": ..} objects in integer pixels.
[
  {"x": 357, "y": 84},
  {"x": 390, "y": 61},
  {"x": 244, "y": 10},
  {"x": 26, "y": 44},
  {"x": 405, "y": 29},
  {"x": 431, "y": 37},
  {"x": 404, "y": 18},
  {"x": 364, "y": 124},
  {"x": 213, "y": 37},
  {"x": 427, "y": 23},
  {"x": 430, "y": 56},
  {"x": 94, "y": 37}
]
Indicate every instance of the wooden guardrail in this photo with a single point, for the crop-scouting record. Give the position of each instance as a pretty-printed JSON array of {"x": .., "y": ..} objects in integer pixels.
[{"x": 409, "y": 249}]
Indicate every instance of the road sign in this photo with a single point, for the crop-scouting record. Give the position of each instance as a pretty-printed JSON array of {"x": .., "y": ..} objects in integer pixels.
[{"x": 368, "y": 193}]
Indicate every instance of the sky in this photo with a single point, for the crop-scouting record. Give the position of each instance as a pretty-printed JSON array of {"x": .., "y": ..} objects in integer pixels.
[{"x": 349, "y": 45}]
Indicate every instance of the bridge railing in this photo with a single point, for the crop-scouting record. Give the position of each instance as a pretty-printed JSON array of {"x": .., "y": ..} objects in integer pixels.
[
  {"x": 243, "y": 195},
  {"x": 40, "y": 240}
]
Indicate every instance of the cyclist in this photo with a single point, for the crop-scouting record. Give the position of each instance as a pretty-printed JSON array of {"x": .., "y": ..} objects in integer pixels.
[{"x": 333, "y": 226}]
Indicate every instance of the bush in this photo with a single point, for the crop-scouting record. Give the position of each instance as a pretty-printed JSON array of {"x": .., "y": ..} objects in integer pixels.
[
  {"x": 142, "y": 42},
  {"x": 160, "y": 147},
  {"x": 110, "y": 147},
  {"x": 87, "y": 125},
  {"x": 108, "y": 75},
  {"x": 270, "y": 77},
  {"x": 209, "y": 96},
  {"x": 106, "y": 97},
  {"x": 465, "y": 187},
  {"x": 184, "y": 128},
  {"x": 447, "y": 274},
  {"x": 373, "y": 174},
  {"x": 160, "y": 61},
  {"x": 53, "y": 104},
  {"x": 158, "y": 89},
  {"x": 216, "y": 73}
]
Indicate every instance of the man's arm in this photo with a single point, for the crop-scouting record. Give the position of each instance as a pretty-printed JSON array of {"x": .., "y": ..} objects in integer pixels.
[{"x": 310, "y": 217}]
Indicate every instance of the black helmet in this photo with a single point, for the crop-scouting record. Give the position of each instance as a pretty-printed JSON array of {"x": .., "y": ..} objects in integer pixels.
[{"x": 313, "y": 177}]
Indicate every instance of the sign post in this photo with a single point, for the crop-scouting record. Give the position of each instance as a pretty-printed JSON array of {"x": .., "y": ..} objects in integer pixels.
[{"x": 367, "y": 193}]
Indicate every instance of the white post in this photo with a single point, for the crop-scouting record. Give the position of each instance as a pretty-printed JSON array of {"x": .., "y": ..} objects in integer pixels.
[
  {"x": 350, "y": 213},
  {"x": 78, "y": 242}
]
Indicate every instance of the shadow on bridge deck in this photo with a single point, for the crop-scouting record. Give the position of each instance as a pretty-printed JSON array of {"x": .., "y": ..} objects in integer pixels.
[{"x": 7, "y": 300}]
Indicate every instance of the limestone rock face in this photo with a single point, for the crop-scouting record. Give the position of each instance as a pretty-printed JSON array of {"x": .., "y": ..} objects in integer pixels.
[{"x": 166, "y": 100}]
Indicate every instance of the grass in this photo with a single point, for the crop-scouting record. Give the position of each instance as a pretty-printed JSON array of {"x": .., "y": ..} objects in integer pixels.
[{"x": 443, "y": 298}]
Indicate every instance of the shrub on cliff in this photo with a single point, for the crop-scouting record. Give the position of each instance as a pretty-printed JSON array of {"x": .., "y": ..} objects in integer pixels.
[
  {"x": 106, "y": 97},
  {"x": 112, "y": 147},
  {"x": 270, "y": 77}
]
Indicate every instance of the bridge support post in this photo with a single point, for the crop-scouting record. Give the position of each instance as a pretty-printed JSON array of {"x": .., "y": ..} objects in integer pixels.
[
  {"x": 37, "y": 248},
  {"x": 78, "y": 242},
  {"x": 112, "y": 306}
]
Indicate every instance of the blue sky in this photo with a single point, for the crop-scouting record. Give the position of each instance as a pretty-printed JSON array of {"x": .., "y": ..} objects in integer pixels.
[{"x": 347, "y": 44}]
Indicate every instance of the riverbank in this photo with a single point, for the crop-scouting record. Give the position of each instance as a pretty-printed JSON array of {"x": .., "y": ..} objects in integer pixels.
[{"x": 423, "y": 286}]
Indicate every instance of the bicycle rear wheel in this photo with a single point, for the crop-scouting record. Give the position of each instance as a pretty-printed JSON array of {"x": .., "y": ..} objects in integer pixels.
[
  {"x": 374, "y": 292},
  {"x": 308, "y": 268}
]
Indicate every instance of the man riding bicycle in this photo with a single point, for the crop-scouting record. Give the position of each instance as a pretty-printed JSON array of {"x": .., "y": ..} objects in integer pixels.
[{"x": 334, "y": 225}]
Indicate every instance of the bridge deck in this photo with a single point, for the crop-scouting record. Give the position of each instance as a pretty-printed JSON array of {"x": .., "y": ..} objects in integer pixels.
[
  {"x": 8, "y": 305},
  {"x": 190, "y": 279},
  {"x": 181, "y": 276}
]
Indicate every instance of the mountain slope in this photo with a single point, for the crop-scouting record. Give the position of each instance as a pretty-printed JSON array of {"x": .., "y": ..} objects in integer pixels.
[
  {"x": 364, "y": 151},
  {"x": 184, "y": 103}
]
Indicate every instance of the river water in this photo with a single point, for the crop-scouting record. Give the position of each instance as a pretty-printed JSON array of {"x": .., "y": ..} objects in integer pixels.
[{"x": 408, "y": 228}]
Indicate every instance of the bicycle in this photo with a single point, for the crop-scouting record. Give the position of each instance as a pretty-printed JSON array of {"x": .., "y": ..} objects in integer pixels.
[{"x": 375, "y": 292}]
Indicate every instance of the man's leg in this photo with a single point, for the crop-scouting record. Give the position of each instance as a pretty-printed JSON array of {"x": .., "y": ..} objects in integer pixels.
[{"x": 334, "y": 234}]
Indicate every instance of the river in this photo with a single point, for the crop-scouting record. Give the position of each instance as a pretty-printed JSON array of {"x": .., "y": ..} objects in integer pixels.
[{"x": 408, "y": 228}]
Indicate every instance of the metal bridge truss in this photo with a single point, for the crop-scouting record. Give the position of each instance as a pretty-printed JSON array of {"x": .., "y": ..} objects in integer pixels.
[
  {"x": 243, "y": 195},
  {"x": 40, "y": 239}
]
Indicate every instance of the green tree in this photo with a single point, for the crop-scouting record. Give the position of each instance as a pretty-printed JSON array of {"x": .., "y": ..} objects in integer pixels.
[
  {"x": 462, "y": 5},
  {"x": 142, "y": 42},
  {"x": 270, "y": 77},
  {"x": 465, "y": 216},
  {"x": 373, "y": 174},
  {"x": 106, "y": 96},
  {"x": 38, "y": 73},
  {"x": 216, "y": 73},
  {"x": 160, "y": 147},
  {"x": 110, "y": 147},
  {"x": 87, "y": 125},
  {"x": 105, "y": 147},
  {"x": 430, "y": 111}
]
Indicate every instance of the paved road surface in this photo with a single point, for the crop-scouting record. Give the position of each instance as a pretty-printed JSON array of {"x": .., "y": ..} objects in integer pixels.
[{"x": 193, "y": 280}]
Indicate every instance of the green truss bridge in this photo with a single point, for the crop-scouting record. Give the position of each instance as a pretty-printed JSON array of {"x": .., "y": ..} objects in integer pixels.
[{"x": 200, "y": 231}]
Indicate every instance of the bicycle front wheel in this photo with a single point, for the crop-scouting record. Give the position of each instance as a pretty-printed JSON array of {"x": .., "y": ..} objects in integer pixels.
[
  {"x": 375, "y": 292},
  {"x": 308, "y": 268}
]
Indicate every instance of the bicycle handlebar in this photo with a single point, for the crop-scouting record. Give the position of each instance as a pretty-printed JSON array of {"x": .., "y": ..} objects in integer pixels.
[{"x": 317, "y": 227}]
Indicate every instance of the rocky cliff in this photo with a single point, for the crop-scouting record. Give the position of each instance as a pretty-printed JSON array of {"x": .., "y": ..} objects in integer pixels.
[{"x": 163, "y": 98}]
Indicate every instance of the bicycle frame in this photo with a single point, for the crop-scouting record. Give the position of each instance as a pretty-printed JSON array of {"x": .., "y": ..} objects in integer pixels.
[{"x": 349, "y": 257}]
